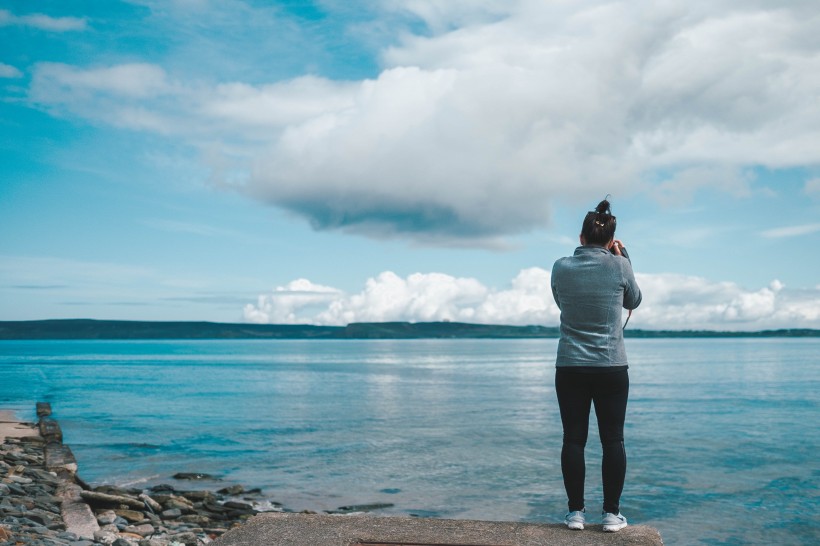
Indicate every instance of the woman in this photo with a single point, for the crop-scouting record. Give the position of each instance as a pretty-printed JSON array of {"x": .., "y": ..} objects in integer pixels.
[{"x": 591, "y": 287}]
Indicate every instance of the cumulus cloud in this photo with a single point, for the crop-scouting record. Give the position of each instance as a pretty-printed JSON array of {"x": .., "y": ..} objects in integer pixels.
[
  {"x": 476, "y": 125},
  {"x": 670, "y": 301},
  {"x": 8, "y": 71},
  {"x": 42, "y": 22}
]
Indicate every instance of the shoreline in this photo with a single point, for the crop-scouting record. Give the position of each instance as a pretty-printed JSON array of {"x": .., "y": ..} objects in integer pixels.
[{"x": 44, "y": 500}]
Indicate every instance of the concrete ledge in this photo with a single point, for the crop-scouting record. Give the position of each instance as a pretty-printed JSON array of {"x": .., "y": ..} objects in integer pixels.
[{"x": 285, "y": 529}]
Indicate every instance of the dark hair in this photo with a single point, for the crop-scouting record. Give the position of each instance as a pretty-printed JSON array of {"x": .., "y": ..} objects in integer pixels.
[{"x": 599, "y": 225}]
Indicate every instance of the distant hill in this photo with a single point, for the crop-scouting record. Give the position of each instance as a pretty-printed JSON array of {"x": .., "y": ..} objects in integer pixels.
[{"x": 123, "y": 329}]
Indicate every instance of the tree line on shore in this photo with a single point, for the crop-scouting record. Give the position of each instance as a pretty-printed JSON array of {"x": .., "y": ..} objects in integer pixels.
[{"x": 124, "y": 329}]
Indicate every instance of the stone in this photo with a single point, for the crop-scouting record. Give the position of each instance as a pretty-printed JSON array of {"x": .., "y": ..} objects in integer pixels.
[
  {"x": 95, "y": 497},
  {"x": 105, "y": 536},
  {"x": 107, "y": 517},
  {"x": 142, "y": 530},
  {"x": 180, "y": 504},
  {"x": 232, "y": 490},
  {"x": 366, "y": 507},
  {"x": 132, "y": 516},
  {"x": 193, "y": 476},
  {"x": 5, "y": 534},
  {"x": 198, "y": 496},
  {"x": 188, "y": 538},
  {"x": 172, "y": 513},
  {"x": 233, "y": 505},
  {"x": 196, "y": 518},
  {"x": 150, "y": 503}
]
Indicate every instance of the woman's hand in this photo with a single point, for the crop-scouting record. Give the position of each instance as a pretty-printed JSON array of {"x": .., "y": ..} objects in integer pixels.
[{"x": 616, "y": 247}]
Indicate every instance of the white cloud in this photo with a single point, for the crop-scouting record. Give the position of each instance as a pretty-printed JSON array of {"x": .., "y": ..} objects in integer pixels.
[
  {"x": 475, "y": 126},
  {"x": 42, "y": 22},
  {"x": 289, "y": 304},
  {"x": 670, "y": 301},
  {"x": 791, "y": 231},
  {"x": 8, "y": 71}
]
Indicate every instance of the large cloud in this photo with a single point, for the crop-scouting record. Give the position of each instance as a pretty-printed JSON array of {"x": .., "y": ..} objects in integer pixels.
[
  {"x": 477, "y": 125},
  {"x": 673, "y": 302}
]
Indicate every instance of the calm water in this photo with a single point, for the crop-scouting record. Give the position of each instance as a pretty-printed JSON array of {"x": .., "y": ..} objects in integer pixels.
[{"x": 722, "y": 435}]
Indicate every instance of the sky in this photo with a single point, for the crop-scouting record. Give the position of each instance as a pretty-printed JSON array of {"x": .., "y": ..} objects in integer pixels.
[{"x": 330, "y": 162}]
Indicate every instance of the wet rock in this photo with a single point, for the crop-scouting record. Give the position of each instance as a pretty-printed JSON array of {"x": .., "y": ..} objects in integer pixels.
[
  {"x": 365, "y": 507},
  {"x": 193, "y": 476},
  {"x": 232, "y": 490}
]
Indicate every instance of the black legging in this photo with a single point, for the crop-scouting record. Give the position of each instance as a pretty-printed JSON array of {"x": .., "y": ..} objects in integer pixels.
[{"x": 609, "y": 391}]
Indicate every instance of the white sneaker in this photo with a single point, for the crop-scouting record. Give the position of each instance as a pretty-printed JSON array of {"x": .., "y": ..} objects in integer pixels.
[
  {"x": 613, "y": 522},
  {"x": 575, "y": 520}
]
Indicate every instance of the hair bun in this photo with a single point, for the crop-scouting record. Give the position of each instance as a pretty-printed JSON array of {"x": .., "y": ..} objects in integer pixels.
[{"x": 603, "y": 207}]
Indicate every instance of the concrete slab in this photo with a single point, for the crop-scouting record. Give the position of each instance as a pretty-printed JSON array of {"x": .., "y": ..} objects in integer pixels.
[{"x": 285, "y": 529}]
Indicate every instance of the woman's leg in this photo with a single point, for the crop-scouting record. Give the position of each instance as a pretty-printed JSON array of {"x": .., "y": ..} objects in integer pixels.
[
  {"x": 574, "y": 400},
  {"x": 610, "y": 394}
]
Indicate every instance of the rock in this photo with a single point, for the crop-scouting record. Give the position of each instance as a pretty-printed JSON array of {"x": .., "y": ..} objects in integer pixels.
[
  {"x": 363, "y": 507},
  {"x": 5, "y": 534},
  {"x": 171, "y": 513},
  {"x": 198, "y": 496},
  {"x": 196, "y": 518},
  {"x": 121, "y": 542},
  {"x": 105, "y": 536},
  {"x": 232, "y": 490},
  {"x": 142, "y": 530},
  {"x": 107, "y": 517},
  {"x": 179, "y": 503},
  {"x": 193, "y": 476},
  {"x": 130, "y": 515},
  {"x": 233, "y": 505},
  {"x": 188, "y": 538},
  {"x": 95, "y": 497},
  {"x": 150, "y": 503}
]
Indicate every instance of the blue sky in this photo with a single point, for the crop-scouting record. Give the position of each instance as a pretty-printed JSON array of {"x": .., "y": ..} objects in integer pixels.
[{"x": 330, "y": 162}]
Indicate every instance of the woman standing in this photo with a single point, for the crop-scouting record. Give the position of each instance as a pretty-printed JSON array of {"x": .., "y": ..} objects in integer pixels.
[{"x": 591, "y": 288}]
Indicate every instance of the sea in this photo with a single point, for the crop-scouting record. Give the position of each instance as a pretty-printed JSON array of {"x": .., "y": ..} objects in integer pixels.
[{"x": 722, "y": 435}]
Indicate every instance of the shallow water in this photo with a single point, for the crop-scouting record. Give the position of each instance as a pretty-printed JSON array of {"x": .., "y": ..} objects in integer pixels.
[{"x": 721, "y": 433}]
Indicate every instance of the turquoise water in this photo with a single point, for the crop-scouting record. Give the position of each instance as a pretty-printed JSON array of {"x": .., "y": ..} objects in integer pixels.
[{"x": 722, "y": 434}]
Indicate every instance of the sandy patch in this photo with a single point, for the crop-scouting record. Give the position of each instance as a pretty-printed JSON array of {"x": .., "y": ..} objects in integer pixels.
[{"x": 12, "y": 427}]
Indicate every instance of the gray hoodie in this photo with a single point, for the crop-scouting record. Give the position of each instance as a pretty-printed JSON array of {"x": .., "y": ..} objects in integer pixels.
[{"x": 591, "y": 287}]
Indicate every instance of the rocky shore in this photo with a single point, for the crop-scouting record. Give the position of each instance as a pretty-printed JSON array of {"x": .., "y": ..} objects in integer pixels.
[{"x": 44, "y": 502}]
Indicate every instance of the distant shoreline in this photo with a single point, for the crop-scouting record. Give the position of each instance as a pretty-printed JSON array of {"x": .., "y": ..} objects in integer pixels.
[{"x": 90, "y": 329}]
